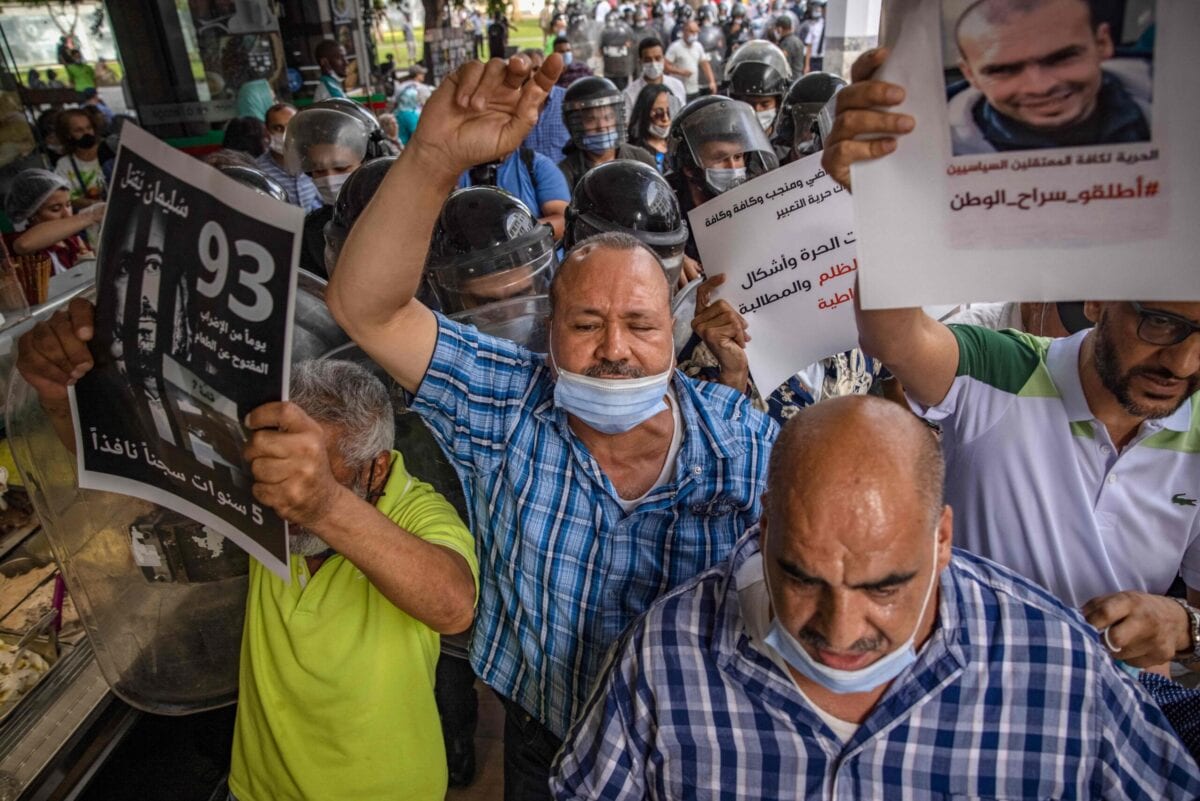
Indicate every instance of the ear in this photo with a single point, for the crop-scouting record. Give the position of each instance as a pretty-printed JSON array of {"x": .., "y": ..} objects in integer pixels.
[
  {"x": 382, "y": 466},
  {"x": 945, "y": 538},
  {"x": 967, "y": 72},
  {"x": 1104, "y": 41},
  {"x": 1092, "y": 310}
]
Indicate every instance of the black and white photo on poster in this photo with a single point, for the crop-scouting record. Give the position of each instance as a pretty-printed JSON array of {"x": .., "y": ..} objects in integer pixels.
[{"x": 193, "y": 326}]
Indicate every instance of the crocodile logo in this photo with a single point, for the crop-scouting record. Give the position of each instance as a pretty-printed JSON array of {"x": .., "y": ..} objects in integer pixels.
[{"x": 1179, "y": 499}]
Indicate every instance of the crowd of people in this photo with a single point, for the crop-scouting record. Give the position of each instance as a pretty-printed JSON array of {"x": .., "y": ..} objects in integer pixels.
[{"x": 961, "y": 560}]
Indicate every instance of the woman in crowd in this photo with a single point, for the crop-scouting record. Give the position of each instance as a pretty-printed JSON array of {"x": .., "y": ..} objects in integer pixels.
[
  {"x": 651, "y": 120},
  {"x": 80, "y": 164}
]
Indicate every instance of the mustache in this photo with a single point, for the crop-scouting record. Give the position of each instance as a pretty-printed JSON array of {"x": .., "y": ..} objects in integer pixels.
[
  {"x": 606, "y": 369},
  {"x": 865, "y": 645}
]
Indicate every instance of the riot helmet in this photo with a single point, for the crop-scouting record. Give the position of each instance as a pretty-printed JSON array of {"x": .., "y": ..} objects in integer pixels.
[
  {"x": 737, "y": 11},
  {"x": 683, "y": 12},
  {"x": 257, "y": 180},
  {"x": 487, "y": 247},
  {"x": 717, "y": 143},
  {"x": 630, "y": 197},
  {"x": 706, "y": 14},
  {"x": 353, "y": 197},
  {"x": 376, "y": 144},
  {"x": 594, "y": 113},
  {"x": 796, "y": 128},
  {"x": 327, "y": 145},
  {"x": 756, "y": 73},
  {"x": 616, "y": 42}
]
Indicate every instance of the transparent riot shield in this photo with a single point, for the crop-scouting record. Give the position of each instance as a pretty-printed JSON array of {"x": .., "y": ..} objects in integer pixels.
[
  {"x": 162, "y": 598},
  {"x": 521, "y": 320}
]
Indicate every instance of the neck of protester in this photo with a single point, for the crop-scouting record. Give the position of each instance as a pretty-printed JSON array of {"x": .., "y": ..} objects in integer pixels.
[{"x": 1121, "y": 425}]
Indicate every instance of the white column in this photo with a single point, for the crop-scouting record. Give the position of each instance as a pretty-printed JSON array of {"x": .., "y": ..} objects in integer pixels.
[{"x": 851, "y": 28}]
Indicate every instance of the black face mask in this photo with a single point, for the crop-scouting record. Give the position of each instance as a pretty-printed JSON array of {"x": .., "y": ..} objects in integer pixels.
[{"x": 85, "y": 142}]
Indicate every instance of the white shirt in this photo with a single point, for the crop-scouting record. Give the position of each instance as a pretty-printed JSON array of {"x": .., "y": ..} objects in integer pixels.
[
  {"x": 996, "y": 316},
  {"x": 668, "y": 467},
  {"x": 688, "y": 57},
  {"x": 602, "y": 9},
  {"x": 812, "y": 33},
  {"x": 634, "y": 89},
  {"x": 1037, "y": 485},
  {"x": 755, "y": 604}
]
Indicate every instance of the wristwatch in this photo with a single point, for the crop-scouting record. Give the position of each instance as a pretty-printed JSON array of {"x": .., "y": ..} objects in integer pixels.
[{"x": 1190, "y": 656}]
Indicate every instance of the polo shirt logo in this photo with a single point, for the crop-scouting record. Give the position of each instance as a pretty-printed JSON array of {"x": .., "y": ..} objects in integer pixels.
[{"x": 1179, "y": 499}]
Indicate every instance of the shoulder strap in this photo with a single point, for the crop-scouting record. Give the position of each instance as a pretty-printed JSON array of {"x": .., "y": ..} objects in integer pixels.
[{"x": 527, "y": 158}]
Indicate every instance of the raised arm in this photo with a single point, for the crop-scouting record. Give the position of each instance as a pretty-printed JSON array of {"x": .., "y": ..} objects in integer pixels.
[
  {"x": 43, "y": 235},
  {"x": 478, "y": 114},
  {"x": 919, "y": 351}
]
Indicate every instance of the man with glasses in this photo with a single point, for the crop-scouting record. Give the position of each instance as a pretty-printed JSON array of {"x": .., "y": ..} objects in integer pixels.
[{"x": 1073, "y": 461}]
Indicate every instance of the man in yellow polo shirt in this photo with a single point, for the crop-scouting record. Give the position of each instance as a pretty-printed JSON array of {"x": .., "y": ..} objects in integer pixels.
[{"x": 337, "y": 667}]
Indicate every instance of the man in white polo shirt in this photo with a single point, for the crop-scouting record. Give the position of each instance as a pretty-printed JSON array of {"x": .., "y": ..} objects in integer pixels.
[{"x": 1074, "y": 461}]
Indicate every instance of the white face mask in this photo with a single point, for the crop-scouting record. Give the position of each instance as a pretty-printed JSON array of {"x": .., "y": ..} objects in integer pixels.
[
  {"x": 329, "y": 185},
  {"x": 660, "y": 131},
  {"x": 652, "y": 70},
  {"x": 766, "y": 118},
  {"x": 276, "y": 144},
  {"x": 688, "y": 39}
]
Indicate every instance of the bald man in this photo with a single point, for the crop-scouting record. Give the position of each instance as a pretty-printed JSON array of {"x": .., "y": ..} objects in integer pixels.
[
  {"x": 1035, "y": 79},
  {"x": 846, "y": 651}
]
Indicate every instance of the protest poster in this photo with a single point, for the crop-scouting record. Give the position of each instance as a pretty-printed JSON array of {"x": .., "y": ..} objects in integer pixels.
[
  {"x": 1055, "y": 154},
  {"x": 785, "y": 243},
  {"x": 195, "y": 282}
]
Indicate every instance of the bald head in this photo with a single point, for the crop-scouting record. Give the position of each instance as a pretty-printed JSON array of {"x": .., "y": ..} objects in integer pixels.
[
  {"x": 859, "y": 457},
  {"x": 631, "y": 249}
]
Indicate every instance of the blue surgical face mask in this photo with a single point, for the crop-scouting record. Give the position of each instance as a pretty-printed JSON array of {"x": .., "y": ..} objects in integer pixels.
[
  {"x": 610, "y": 405},
  {"x": 599, "y": 142},
  {"x": 568, "y": 57},
  {"x": 874, "y": 675}
]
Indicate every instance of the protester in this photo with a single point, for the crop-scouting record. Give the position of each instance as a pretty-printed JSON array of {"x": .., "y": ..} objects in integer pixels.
[
  {"x": 331, "y": 59},
  {"x": 573, "y": 70},
  {"x": 38, "y": 204},
  {"x": 331, "y": 666},
  {"x": 531, "y": 178},
  {"x": 300, "y": 187},
  {"x": 1024, "y": 93},
  {"x": 686, "y": 59},
  {"x": 416, "y": 80},
  {"x": 593, "y": 112},
  {"x": 391, "y": 133},
  {"x": 585, "y": 509},
  {"x": 653, "y": 63},
  {"x": 408, "y": 111},
  {"x": 1079, "y": 469},
  {"x": 80, "y": 162},
  {"x": 246, "y": 134},
  {"x": 845, "y": 649},
  {"x": 650, "y": 123}
]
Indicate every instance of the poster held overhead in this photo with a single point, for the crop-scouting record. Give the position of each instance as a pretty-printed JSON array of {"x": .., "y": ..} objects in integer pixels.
[
  {"x": 1054, "y": 147},
  {"x": 195, "y": 289}
]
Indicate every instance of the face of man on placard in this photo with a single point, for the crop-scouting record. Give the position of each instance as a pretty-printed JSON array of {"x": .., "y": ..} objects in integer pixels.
[{"x": 1036, "y": 61}]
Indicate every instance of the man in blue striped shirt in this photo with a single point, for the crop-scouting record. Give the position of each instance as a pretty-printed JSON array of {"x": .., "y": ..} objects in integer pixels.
[
  {"x": 600, "y": 476},
  {"x": 846, "y": 651}
]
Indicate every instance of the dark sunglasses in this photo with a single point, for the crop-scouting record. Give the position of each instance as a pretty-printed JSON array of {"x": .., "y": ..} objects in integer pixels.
[{"x": 1162, "y": 328}]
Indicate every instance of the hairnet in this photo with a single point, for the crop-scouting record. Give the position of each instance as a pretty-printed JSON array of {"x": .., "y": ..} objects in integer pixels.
[{"x": 29, "y": 190}]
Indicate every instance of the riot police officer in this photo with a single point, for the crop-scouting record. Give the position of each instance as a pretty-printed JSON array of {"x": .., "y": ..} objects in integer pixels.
[
  {"x": 712, "y": 39},
  {"x": 490, "y": 263},
  {"x": 354, "y": 196},
  {"x": 683, "y": 15},
  {"x": 327, "y": 144},
  {"x": 758, "y": 75},
  {"x": 376, "y": 138},
  {"x": 616, "y": 44},
  {"x": 632, "y": 198},
  {"x": 796, "y": 133},
  {"x": 594, "y": 113},
  {"x": 715, "y": 144},
  {"x": 257, "y": 180},
  {"x": 737, "y": 31}
]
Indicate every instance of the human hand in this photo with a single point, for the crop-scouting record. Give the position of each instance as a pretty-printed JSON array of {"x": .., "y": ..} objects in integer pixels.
[
  {"x": 94, "y": 212},
  {"x": 482, "y": 112},
  {"x": 54, "y": 354},
  {"x": 725, "y": 333},
  {"x": 857, "y": 116},
  {"x": 690, "y": 271},
  {"x": 290, "y": 463},
  {"x": 1143, "y": 630}
]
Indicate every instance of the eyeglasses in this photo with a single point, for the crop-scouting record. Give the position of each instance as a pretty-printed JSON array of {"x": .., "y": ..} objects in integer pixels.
[
  {"x": 660, "y": 113},
  {"x": 1162, "y": 328}
]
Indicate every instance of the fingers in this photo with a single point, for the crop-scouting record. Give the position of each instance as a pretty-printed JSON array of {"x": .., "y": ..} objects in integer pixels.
[
  {"x": 721, "y": 321},
  {"x": 517, "y": 72},
  {"x": 280, "y": 415},
  {"x": 865, "y": 65},
  {"x": 1107, "y": 610},
  {"x": 467, "y": 79},
  {"x": 494, "y": 74},
  {"x": 547, "y": 76},
  {"x": 82, "y": 314},
  {"x": 51, "y": 353}
]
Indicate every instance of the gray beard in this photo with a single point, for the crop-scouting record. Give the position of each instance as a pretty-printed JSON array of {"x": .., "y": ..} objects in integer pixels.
[{"x": 303, "y": 542}]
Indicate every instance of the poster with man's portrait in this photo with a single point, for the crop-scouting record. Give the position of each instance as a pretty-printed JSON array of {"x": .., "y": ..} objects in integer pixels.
[
  {"x": 1054, "y": 148},
  {"x": 192, "y": 331}
]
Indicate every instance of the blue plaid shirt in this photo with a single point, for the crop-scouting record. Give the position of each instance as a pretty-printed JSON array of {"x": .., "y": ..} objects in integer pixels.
[
  {"x": 563, "y": 569},
  {"x": 300, "y": 188},
  {"x": 1012, "y": 697},
  {"x": 550, "y": 135}
]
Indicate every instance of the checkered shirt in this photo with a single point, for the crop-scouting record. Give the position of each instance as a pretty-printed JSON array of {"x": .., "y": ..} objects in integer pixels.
[
  {"x": 563, "y": 569},
  {"x": 1011, "y": 697},
  {"x": 550, "y": 135},
  {"x": 301, "y": 190}
]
